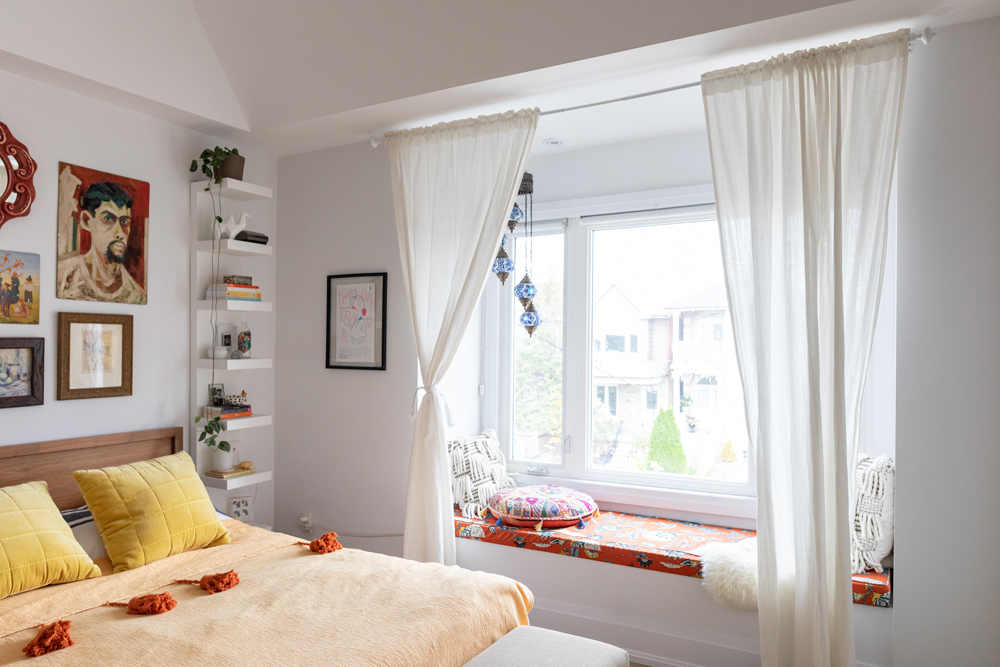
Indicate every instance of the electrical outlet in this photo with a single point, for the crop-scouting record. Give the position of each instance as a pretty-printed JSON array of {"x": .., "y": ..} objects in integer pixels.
[{"x": 241, "y": 508}]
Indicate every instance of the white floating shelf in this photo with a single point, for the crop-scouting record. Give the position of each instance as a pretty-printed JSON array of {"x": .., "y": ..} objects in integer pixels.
[
  {"x": 237, "y": 482},
  {"x": 238, "y": 190},
  {"x": 240, "y": 423},
  {"x": 224, "y": 304},
  {"x": 236, "y": 248},
  {"x": 234, "y": 364}
]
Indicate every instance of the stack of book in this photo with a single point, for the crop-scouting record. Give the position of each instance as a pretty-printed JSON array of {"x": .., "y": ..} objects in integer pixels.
[
  {"x": 230, "y": 474},
  {"x": 232, "y": 292},
  {"x": 226, "y": 411}
]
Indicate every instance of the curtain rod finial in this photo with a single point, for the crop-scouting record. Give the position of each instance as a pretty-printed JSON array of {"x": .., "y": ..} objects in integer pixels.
[{"x": 375, "y": 141}]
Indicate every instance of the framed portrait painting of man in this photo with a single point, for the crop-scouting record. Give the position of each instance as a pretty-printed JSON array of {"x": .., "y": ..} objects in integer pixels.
[{"x": 102, "y": 236}]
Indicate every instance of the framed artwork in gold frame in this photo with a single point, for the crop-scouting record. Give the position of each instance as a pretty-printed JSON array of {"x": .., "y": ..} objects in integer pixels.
[{"x": 95, "y": 356}]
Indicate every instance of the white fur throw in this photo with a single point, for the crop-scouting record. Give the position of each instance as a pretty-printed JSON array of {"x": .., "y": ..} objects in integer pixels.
[
  {"x": 730, "y": 573},
  {"x": 478, "y": 470},
  {"x": 873, "y": 513}
]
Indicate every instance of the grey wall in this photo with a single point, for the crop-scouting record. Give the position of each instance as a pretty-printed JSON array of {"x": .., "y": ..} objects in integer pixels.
[{"x": 947, "y": 583}]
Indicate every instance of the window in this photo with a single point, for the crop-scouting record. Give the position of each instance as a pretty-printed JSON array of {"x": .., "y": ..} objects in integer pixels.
[
  {"x": 538, "y": 359},
  {"x": 579, "y": 407},
  {"x": 614, "y": 343}
]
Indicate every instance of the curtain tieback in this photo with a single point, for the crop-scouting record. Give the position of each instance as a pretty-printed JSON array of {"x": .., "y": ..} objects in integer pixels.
[{"x": 433, "y": 389}]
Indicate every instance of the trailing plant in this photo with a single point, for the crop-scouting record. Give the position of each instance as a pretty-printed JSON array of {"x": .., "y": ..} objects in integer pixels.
[
  {"x": 210, "y": 432},
  {"x": 211, "y": 162},
  {"x": 211, "y": 166}
]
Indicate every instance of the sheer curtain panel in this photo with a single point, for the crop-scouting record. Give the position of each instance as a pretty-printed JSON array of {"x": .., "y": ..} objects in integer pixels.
[
  {"x": 803, "y": 149},
  {"x": 454, "y": 185}
]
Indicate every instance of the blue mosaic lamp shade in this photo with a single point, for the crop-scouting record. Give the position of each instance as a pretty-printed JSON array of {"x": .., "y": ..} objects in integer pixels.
[
  {"x": 503, "y": 265},
  {"x": 525, "y": 291},
  {"x": 530, "y": 319},
  {"x": 516, "y": 216}
]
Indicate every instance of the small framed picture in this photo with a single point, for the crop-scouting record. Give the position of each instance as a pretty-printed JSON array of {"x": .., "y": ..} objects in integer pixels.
[
  {"x": 225, "y": 336},
  {"x": 217, "y": 394},
  {"x": 95, "y": 356},
  {"x": 355, "y": 321},
  {"x": 22, "y": 363}
]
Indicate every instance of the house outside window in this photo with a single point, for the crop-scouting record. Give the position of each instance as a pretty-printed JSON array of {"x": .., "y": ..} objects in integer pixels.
[
  {"x": 614, "y": 343},
  {"x": 650, "y": 399},
  {"x": 633, "y": 344}
]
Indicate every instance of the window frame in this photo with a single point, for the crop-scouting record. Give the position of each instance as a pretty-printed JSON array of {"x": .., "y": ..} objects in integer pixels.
[{"x": 577, "y": 219}]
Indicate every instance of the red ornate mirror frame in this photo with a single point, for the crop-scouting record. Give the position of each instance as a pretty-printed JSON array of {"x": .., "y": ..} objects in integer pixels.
[{"x": 17, "y": 173}]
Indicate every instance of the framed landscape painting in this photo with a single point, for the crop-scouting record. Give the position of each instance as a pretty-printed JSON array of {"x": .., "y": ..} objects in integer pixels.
[
  {"x": 22, "y": 361},
  {"x": 355, "y": 321},
  {"x": 102, "y": 234},
  {"x": 95, "y": 356},
  {"x": 20, "y": 274}
]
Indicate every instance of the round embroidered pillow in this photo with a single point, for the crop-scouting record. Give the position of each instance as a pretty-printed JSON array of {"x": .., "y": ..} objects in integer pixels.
[{"x": 541, "y": 506}]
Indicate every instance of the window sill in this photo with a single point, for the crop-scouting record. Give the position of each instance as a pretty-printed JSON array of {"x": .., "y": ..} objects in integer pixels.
[
  {"x": 697, "y": 506},
  {"x": 658, "y": 545}
]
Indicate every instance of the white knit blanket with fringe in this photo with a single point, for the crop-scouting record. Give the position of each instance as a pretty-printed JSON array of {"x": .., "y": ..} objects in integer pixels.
[
  {"x": 478, "y": 470},
  {"x": 871, "y": 490}
]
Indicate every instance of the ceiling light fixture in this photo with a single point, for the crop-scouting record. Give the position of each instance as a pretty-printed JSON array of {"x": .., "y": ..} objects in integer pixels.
[{"x": 553, "y": 141}]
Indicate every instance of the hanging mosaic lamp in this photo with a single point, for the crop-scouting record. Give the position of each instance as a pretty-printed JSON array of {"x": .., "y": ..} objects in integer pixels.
[
  {"x": 530, "y": 319},
  {"x": 525, "y": 291},
  {"x": 503, "y": 265},
  {"x": 516, "y": 216}
]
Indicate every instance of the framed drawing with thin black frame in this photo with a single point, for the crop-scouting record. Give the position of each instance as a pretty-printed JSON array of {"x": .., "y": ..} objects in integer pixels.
[
  {"x": 355, "y": 321},
  {"x": 22, "y": 378}
]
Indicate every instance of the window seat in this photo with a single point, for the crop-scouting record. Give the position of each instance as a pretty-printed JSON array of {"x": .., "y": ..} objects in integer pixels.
[{"x": 651, "y": 543}]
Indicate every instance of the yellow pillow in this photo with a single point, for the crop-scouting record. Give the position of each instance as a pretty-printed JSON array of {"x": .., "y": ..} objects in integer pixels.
[
  {"x": 150, "y": 510},
  {"x": 37, "y": 547}
]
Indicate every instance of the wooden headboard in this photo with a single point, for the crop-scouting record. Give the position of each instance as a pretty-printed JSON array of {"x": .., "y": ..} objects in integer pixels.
[{"x": 54, "y": 461}]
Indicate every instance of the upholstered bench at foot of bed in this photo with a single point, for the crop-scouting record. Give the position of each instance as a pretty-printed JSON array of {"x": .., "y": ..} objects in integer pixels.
[{"x": 527, "y": 646}]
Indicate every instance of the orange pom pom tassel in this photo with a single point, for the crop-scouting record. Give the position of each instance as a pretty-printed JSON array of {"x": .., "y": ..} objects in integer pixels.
[
  {"x": 214, "y": 583},
  {"x": 154, "y": 603},
  {"x": 324, "y": 545},
  {"x": 50, "y": 638}
]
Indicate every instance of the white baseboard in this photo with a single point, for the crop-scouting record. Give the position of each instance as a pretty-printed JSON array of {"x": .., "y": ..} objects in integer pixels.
[{"x": 649, "y": 643}]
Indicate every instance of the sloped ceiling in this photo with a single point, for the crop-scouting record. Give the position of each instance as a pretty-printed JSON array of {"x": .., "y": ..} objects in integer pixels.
[{"x": 291, "y": 76}]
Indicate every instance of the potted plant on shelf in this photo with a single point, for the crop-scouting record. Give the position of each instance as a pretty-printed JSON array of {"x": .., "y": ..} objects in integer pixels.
[
  {"x": 220, "y": 163},
  {"x": 223, "y": 455}
]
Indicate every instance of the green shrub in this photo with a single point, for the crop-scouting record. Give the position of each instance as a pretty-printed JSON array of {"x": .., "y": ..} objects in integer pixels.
[
  {"x": 728, "y": 455},
  {"x": 665, "y": 450}
]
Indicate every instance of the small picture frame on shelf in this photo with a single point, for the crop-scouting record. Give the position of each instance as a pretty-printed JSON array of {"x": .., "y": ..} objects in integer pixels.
[
  {"x": 217, "y": 394},
  {"x": 355, "y": 321},
  {"x": 225, "y": 336},
  {"x": 22, "y": 362},
  {"x": 95, "y": 356}
]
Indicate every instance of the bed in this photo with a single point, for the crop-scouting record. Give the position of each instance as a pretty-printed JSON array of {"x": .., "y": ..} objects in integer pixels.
[{"x": 292, "y": 606}]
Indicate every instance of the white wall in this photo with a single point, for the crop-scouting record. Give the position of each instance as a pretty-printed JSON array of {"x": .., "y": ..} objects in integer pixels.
[
  {"x": 947, "y": 588},
  {"x": 344, "y": 435},
  {"x": 633, "y": 166},
  {"x": 57, "y": 125}
]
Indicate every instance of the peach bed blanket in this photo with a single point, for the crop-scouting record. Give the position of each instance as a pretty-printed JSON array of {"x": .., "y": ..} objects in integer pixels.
[{"x": 292, "y": 607}]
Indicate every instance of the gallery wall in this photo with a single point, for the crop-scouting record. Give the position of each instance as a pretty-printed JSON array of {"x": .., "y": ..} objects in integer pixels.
[{"x": 60, "y": 126}]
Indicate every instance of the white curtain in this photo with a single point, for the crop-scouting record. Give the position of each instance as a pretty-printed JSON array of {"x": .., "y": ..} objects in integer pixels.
[
  {"x": 454, "y": 185},
  {"x": 803, "y": 149}
]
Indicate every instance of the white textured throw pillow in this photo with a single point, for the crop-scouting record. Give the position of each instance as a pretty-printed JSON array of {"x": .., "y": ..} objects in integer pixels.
[
  {"x": 730, "y": 573},
  {"x": 873, "y": 515},
  {"x": 478, "y": 470}
]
